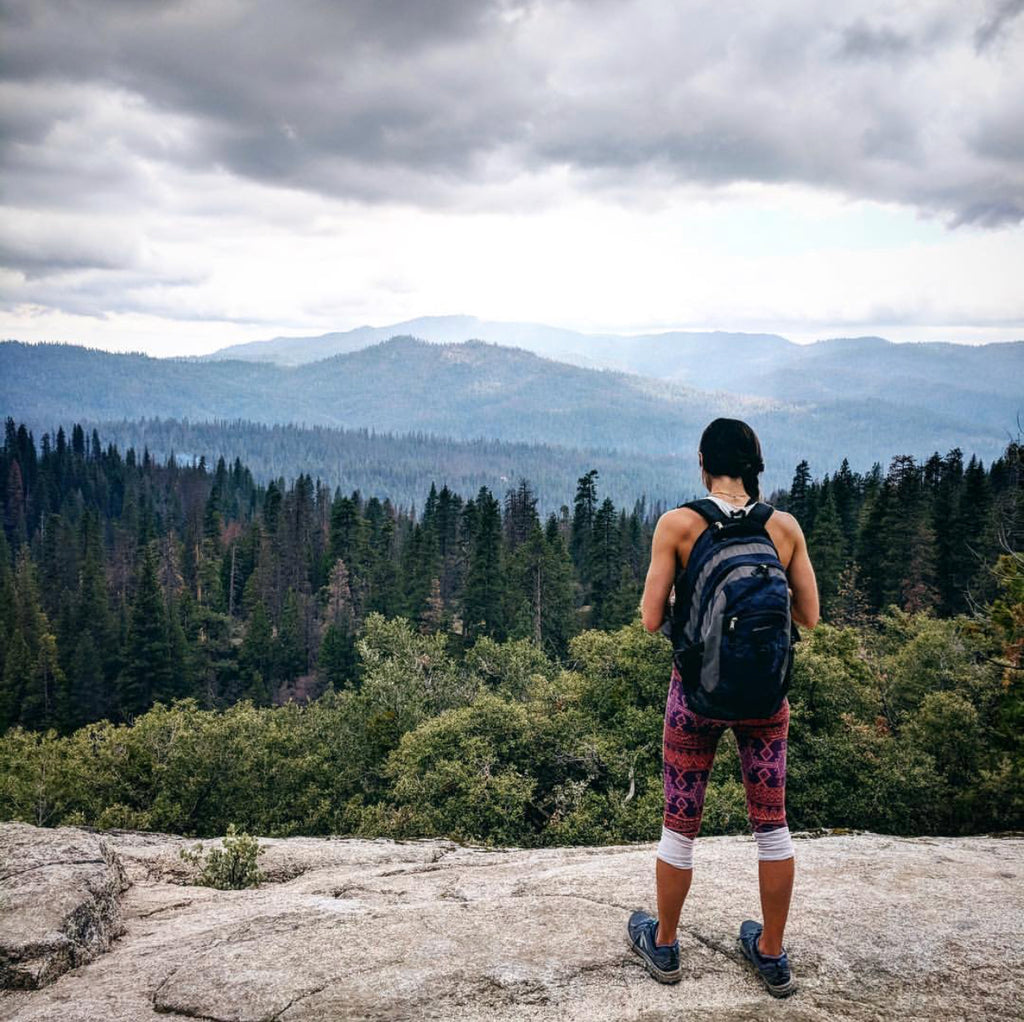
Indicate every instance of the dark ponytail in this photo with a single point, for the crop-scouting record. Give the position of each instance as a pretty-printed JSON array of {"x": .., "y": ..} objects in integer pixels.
[{"x": 730, "y": 447}]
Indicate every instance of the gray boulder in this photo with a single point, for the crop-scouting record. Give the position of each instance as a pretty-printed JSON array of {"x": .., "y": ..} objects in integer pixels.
[{"x": 60, "y": 901}]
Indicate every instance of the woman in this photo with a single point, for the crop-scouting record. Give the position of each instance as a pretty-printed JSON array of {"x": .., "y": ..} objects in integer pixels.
[{"x": 730, "y": 460}]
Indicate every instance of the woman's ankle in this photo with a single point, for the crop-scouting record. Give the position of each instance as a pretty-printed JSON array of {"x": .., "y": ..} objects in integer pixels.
[{"x": 660, "y": 935}]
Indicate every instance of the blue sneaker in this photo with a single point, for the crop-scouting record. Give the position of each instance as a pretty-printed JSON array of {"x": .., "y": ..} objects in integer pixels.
[
  {"x": 774, "y": 972},
  {"x": 661, "y": 962}
]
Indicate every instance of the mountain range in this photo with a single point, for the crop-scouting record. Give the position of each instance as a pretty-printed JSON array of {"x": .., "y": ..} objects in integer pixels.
[
  {"x": 978, "y": 382},
  {"x": 865, "y": 399}
]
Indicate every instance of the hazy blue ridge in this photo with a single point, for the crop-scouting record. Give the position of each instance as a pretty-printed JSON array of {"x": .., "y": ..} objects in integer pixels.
[
  {"x": 978, "y": 382},
  {"x": 481, "y": 390},
  {"x": 403, "y": 466}
]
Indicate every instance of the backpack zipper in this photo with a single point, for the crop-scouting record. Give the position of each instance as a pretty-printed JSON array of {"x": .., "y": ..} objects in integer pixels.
[{"x": 722, "y": 575}]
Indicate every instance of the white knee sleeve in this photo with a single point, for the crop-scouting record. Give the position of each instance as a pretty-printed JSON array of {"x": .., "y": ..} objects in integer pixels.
[
  {"x": 676, "y": 849},
  {"x": 774, "y": 844}
]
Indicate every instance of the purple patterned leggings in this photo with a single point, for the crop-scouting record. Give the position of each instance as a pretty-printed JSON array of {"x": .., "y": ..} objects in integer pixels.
[{"x": 690, "y": 741}]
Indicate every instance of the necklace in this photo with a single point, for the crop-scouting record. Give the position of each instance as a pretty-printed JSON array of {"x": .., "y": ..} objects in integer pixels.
[{"x": 735, "y": 496}]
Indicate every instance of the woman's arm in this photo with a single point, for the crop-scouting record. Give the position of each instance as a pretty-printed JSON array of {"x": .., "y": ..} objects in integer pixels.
[
  {"x": 802, "y": 583},
  {"x": 662, "y": 572}
]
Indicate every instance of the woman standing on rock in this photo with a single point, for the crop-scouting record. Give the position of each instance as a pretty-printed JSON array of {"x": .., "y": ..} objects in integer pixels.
[{"x": 741, "y": 575}]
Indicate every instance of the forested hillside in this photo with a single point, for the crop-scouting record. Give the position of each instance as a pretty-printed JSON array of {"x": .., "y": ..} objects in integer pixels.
[
  {"x": 978, "y": 383},
  {"x": 476, "y": 390},
  {"x": 129, "y": 580},
  {"x": 667, "y": 355},
  {"x": 402, "y": 466},
  {"x": 474, "y": 669}
]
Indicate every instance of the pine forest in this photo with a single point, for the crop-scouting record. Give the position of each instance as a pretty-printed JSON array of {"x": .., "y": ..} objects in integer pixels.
[{"x": 182, "y": 646}]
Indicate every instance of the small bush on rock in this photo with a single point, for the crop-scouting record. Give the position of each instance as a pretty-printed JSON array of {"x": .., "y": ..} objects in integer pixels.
[{"x": 231, "y": 868}]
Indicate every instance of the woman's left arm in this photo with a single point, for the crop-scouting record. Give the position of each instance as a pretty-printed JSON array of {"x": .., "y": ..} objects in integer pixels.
[{"x": 662, "y": 572}]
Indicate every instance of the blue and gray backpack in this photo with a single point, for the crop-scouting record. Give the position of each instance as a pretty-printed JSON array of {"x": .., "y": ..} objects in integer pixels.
[{"x": 731, "y": 626}]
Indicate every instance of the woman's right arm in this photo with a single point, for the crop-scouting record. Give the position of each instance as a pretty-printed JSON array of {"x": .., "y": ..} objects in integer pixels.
[
  {"x": 661, "y": 573},
  {"x": 802, "y": 583}
]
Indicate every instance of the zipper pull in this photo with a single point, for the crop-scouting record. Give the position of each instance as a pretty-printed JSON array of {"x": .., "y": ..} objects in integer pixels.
[{"x": 732, "y": 624}]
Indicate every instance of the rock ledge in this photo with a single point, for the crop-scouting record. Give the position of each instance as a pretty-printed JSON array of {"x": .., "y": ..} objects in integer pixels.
[{"x": 881, "y": 928}]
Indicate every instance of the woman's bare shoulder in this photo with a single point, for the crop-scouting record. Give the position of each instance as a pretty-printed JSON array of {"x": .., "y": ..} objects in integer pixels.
[
  {"x": 786, "y": 522},
  {"x": 681, "y": 520}
]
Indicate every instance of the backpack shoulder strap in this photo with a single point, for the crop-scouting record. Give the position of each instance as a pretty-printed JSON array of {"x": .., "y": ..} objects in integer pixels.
[
  {"x": 760, "y": 512},
  {"x": 708, "y": 509}
]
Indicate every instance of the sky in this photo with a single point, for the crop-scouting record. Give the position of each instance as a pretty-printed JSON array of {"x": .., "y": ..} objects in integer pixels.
[{"x": 180, "y": 176}]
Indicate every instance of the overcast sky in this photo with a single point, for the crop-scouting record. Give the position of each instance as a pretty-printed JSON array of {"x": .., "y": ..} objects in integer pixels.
[{"x": 181, "y": 176}]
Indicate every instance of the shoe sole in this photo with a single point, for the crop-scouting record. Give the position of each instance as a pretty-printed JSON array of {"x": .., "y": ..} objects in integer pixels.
[
  {"x": 782, "y": 990},
  {"x": 659, "y": 974}
]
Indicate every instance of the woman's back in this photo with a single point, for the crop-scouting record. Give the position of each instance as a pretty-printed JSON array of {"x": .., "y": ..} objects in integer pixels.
[{"x": 785, "y": 532}]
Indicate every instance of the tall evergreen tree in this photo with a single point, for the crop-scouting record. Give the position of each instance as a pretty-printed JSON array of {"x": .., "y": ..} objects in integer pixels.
[
  {"x": 147, "y": 672},
  {"x": 826, "y": 549},
  {"x": 798, "y": 504},
  {"x": 482, "y": 601},
  {"x": 256, "y": 658},
  {"x": 605, "y": 564},
  {"x": 290, "y": 653},
  {"x": 520, "y": 514},
  {"x": 34, "y": 692},
  {"x": 584, "y": 511},
  {"x": 540, "y": 591},
  {"x": 951, "y": 548}
]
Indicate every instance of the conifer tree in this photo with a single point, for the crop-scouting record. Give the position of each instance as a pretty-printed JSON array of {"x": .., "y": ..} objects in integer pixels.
[
  {"x": 15, "y": 521},
  {"x": 147, "y": 673},
  {"x": 907, "y": 538},
  {"x": 8, "y": 628},
  {"x": 584, "y": 510},
  {"x": 256, "y": 658},
  {"x": 290, "y": 654},
  {"x": 798, "y": 504},
  {"x": 539, "y": 595},
  {"x": 979, "y": 532},
  {"x": 384, "y": 592},
  {"x": 34, "y": 693},
  {"x": 482, "y": 601},
  {"x": 604, "y": 568},
  {"x": 951, "y": 546},
  {"x": 825, "y": 546},
  {"x": 850, "y": 607},
  {"x": 845, "y": 490},
  {"x": 91, "y": 635},
  {"x": 432, "y": 619},
  {"x": 871, "y": 546},
  {"x": 520, "y": 514},
  {"x": 337, "y": 661}
]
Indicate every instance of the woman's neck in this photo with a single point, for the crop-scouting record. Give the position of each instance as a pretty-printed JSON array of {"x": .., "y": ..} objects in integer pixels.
[{"x": 728, "y": 489}]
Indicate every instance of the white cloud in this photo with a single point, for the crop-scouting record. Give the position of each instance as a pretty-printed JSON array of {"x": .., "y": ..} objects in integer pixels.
[{"x": 186, "y": 171}]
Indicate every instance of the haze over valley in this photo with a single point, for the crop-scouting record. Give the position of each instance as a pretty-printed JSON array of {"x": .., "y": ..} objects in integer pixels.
[{"x": 864, "y": 399}]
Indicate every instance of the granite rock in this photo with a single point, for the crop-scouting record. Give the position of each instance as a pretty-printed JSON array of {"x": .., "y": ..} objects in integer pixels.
[
  {"x": 881, "y": 928},
  {"x": 60, "y": 901}
]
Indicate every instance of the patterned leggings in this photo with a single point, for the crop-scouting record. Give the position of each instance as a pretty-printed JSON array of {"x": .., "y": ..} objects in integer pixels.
[{"x": 690, "y": 741}]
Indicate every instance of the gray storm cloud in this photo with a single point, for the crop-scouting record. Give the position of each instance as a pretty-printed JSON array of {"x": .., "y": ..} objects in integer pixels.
[{"x": 424, "y": 103}]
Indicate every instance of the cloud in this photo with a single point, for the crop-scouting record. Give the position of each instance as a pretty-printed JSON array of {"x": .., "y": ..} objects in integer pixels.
[
  {"x": 438, "y": 104},
  {"x": 247, "y": 162},
  {"x": 861, "y": 41},
  {"x": 1001, "y": 14}
]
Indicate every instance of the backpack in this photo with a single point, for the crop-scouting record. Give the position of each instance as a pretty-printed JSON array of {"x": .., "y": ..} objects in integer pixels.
[{"x": 731, "y": 625}]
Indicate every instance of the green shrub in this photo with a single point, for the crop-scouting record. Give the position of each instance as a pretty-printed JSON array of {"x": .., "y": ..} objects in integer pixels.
[
  {"x": 230, "y": 868},
  {"x": 910, "y": 728}
]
